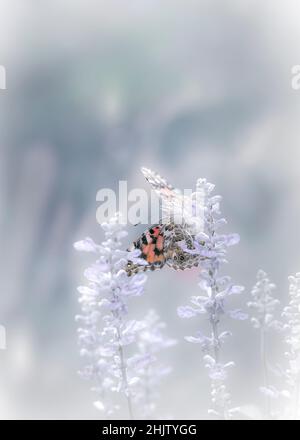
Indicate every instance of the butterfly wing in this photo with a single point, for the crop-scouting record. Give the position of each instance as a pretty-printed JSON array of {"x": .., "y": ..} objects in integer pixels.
[
  {"x": 160, "y": 245},
  {"x": 172, "y": 199},
  {"x": 152, "y": 246},
  {"x": 158, "y": 183},
  {"x": 178, "y": 208}
]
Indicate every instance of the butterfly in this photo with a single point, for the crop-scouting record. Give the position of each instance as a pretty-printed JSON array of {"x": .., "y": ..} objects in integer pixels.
[{"x": 161, "y": 244}]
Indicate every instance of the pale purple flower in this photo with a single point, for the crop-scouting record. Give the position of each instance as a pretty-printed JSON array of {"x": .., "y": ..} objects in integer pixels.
[
  {"x": 263, "y": 306},
  {"x": 105, "y": 332},
  {"x": 291, "y": 315},
  {"x": 151, "y": 342},
  {"x": 211, "y": 247}
]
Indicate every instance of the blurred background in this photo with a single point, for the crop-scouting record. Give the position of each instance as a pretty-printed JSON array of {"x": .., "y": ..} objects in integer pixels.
[{"x": 96, "y": 89}]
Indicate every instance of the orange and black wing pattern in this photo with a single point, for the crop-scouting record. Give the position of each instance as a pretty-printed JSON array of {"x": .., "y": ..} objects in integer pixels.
[{"x": 151, "y": 244}]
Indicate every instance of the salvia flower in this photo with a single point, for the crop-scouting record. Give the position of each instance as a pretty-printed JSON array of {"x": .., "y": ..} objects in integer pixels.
[
  {"x": 151, "y": 342},
  {"x": 211, "y": 247},
  {"x": 291, "y": 314},
  {"x": 105, "y": 330},
  {"x": 263, "y": 306}
]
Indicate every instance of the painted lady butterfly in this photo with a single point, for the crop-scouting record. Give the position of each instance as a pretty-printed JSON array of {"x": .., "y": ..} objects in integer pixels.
[{"x": 159, "y": 245}]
